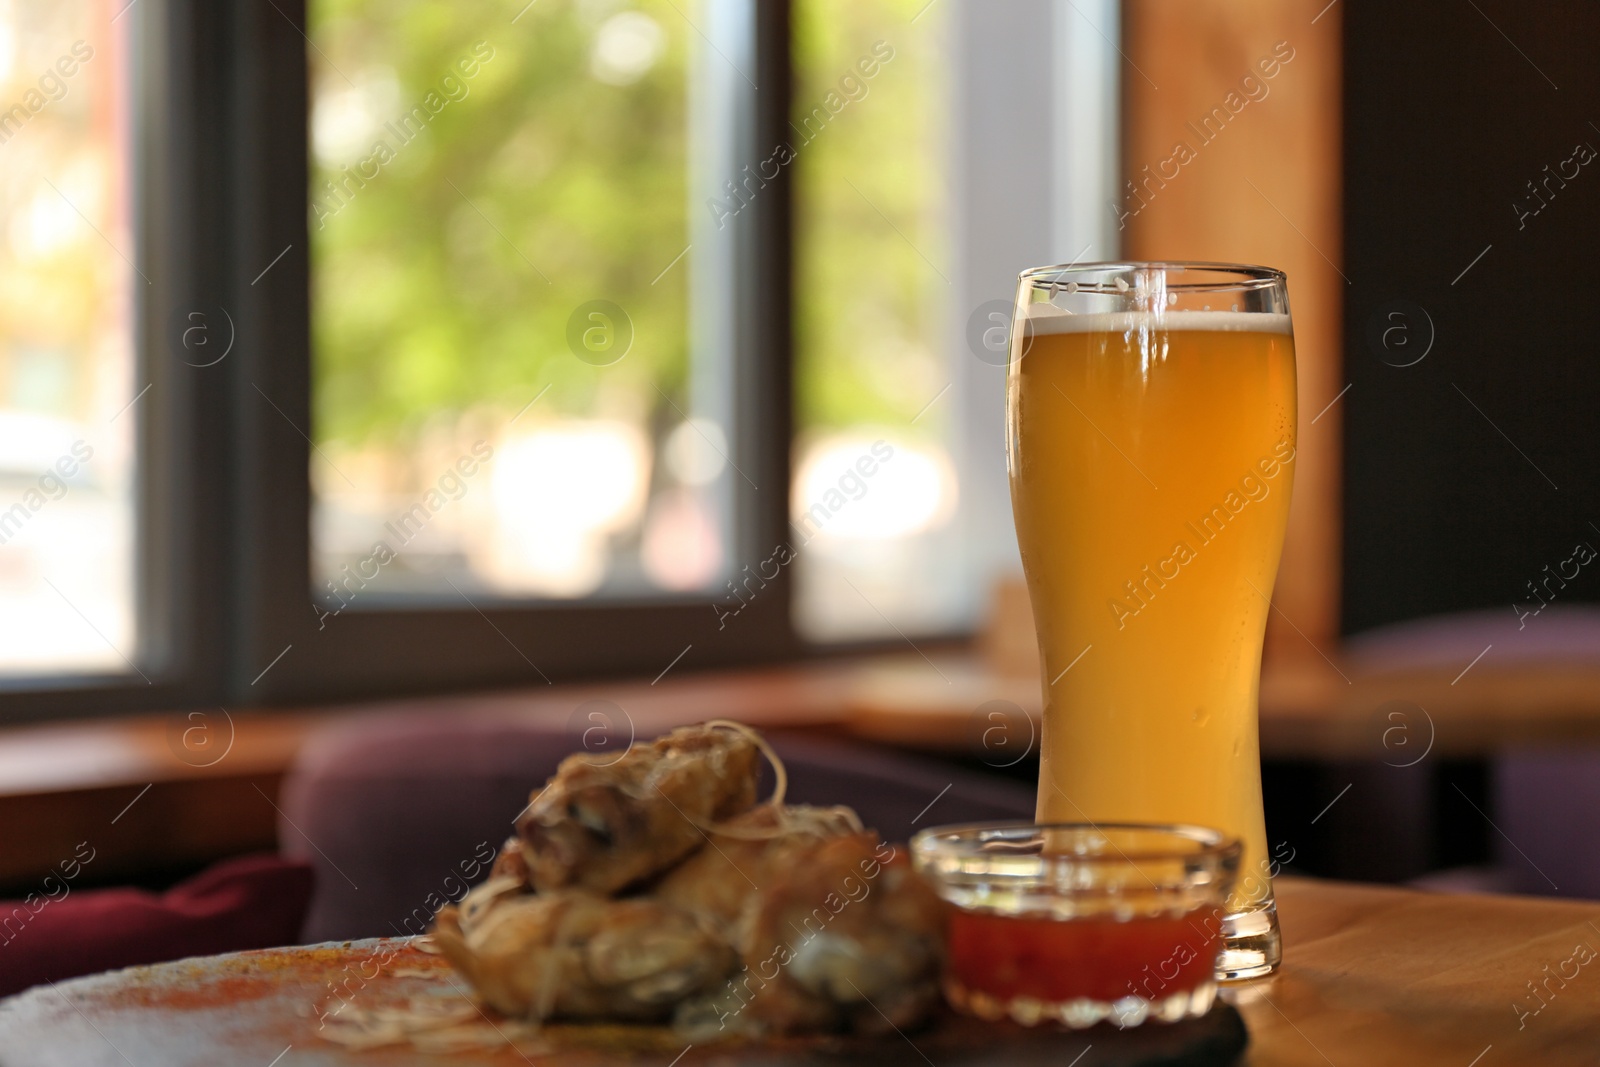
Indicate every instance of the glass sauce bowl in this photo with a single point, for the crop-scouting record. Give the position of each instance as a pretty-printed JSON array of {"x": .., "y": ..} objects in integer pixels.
[{"x": 1078, "y": 923}]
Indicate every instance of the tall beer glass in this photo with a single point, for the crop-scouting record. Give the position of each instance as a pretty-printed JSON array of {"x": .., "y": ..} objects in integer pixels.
[{"x": 1151, "y": 446}]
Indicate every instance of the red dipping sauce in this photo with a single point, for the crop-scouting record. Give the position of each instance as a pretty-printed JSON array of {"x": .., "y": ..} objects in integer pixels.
[
  {"x": 1081, "y": 923},
  {"x": 1097, "y": 958}
]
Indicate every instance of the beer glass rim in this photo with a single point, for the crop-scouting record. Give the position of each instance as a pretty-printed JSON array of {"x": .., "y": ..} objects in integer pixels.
[{"x": 1224, "y": 277}]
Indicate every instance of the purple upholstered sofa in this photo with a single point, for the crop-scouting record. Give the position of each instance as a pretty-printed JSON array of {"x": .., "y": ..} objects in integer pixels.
[{"x": 399, "y": 812}]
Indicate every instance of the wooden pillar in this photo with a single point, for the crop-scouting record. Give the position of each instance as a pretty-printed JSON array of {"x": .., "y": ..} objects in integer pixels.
[{"x": 1252, "y": 89}]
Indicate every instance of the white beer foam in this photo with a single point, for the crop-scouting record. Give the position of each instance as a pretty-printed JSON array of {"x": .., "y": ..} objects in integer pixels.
[{"x": 1045, "y": 318}]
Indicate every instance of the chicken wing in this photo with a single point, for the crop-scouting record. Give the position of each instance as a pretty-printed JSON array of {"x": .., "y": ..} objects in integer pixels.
[
  {"x": 575, "y": 955},
  {"x": 834, "y": 929},
  {"x": 604, "y": 826},
  {"x": 775, "y": 919}
]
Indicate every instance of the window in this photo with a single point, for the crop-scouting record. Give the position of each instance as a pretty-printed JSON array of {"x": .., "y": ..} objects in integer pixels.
[
  {"x": 513, "y": 390},
  {"x": 875, "y": 490},
  {"x": 985, "y": 138},
  {"x": 423, "y": 345},
  {"x": 68, "y": 420},
  {"x": 508, "y": 397}
]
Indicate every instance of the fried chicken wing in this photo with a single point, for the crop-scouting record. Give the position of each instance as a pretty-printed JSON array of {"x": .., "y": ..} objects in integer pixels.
[
  {"x": 834, "y": 929},
  {"x": 721, "y": 883},
  {"x": 876, "y": 961},
  {"x": 512, "y": 863},
  {"x": 575, "y": 955},
  {"x": 604, "y": 826},
  {"x": 775, "y": 919}
]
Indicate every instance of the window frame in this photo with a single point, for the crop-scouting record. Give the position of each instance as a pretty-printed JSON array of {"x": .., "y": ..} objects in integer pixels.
[
  {"x": 281, "y": 652},
  {"x": 182, "y": 437},
  {"x": 224, "y": 578}
]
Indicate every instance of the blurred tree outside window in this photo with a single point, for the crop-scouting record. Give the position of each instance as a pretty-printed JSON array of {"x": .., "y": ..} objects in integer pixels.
[{"x": 499, "y": 221}]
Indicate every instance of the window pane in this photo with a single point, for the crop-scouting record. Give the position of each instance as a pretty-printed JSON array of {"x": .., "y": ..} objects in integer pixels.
[
  {"x": 875, "y": 486},
  {"x": 503, "y": 385},
  {"x": 66, "y": 350}
]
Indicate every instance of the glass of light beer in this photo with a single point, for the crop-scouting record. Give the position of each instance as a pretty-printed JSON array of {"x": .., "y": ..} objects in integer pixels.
[{"x": 1151, "y": 444}]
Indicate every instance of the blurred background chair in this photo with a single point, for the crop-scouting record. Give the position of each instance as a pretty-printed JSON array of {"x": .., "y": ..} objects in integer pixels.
[{"x": 1543, "y": 792}]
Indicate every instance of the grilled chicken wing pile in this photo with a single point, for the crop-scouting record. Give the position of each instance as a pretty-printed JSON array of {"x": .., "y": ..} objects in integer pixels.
[{"x": 654, "y": 888}]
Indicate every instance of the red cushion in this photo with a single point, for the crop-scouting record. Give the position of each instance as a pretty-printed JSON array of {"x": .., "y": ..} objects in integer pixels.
[{"x": 252, "y": 902}]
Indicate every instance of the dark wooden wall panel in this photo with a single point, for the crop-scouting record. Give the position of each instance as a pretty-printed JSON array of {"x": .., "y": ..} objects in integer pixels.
[{"x": 1470, "y": 471}]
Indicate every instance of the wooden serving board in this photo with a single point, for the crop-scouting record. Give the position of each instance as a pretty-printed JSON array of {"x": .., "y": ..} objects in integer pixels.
[{"x": 265, "y": 1009}]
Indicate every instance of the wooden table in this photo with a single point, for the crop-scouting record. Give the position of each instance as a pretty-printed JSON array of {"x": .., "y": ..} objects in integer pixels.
[
  {"x": 1395, "y": 976},
  {"x": 1370, "y": 976}
]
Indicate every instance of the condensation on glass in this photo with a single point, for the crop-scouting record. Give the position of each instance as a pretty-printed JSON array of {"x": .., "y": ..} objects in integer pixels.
[{"x": 68, "y": 389}]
